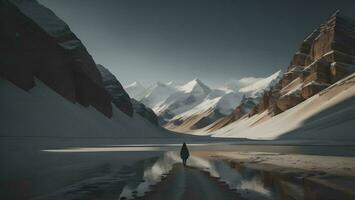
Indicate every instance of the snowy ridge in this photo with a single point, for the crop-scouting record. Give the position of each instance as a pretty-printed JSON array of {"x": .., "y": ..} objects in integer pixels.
[
  {"x": 256, "y": 89},
  {"x": 183, "y": 100},
  {"x": 195, "y": 86},
  {"x": 156, "y": 95}
]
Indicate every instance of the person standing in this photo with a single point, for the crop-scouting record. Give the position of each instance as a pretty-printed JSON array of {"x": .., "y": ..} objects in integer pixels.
[{"x": 184, "y": 153}]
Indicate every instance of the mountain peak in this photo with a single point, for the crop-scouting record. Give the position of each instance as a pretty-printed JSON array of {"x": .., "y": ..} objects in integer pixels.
[
  {"x": 193, "y": 85},
  {"x": 198, "y": 81}
]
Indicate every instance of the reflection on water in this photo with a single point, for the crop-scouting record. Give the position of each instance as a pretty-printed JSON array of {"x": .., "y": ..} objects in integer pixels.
[
  {"x": 252, "y": 184},
  {"x": 153, "y": 171},
  {"x": 248, "y": 182},
  {"x": 134, "y": 181}
]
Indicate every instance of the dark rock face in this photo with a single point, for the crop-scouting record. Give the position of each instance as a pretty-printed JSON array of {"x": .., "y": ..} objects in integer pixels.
[
  {"x": 29, "y": 51},
  {"x": 144, "y": 111},
  {"x": 119, "y": 96}
]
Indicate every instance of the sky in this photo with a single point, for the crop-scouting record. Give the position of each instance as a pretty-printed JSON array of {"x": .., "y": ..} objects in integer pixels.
[{"x": 215, "y": 41}]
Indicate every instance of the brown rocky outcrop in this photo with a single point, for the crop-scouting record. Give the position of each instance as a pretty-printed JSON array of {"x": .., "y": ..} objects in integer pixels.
[
  {"x": 312, "y": 88},
  {"x": 31, "y": 51},
  {"x": 288, "y": 101},
  {"x": 340, "y": 70},
  {"x": 324, "y": 57}
]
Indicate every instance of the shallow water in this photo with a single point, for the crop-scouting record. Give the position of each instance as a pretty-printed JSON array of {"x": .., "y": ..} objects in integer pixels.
[
  {"x": 251, "y": 184},
  {"x": 111, "y": 172}
]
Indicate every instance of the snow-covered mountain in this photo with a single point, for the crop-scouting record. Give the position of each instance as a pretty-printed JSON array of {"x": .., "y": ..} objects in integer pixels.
[
  {"x": 183, "y": 99},
  {"x": 156, "y": 95},
  {"x": 136, "y": 90},
  {"x": 314, "y": 99},
  {"x": 51, "y": 87},
  {"x": 176, "y": 104},
  {"x": 222, "y": 102},
  {"x": 328, "y": 115},
  {"x": 258, "y": 88}
]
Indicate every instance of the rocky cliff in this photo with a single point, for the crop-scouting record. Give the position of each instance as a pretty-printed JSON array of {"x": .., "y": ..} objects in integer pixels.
[
  {"x": 119, "y": 96},
  {"x": 144, "y": 111},
  {"x": 36, "y": 44},
  {"x": 324, "y": 57},
  {"x": 122, "y": 100}
]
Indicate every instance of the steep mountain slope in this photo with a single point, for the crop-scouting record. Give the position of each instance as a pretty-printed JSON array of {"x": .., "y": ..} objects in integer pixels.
[
  {"x": 325, "y": 56},
  {"x": 41, "y": 112},
  {"x": 37, "y": 44},
  {"x": 121, "y": 99},
  {"x": 50, "y": 86},
  {"x": 119, "y": 96},
  {"x": 145, "y": 112},
  {"x": 328, "y": 115}
]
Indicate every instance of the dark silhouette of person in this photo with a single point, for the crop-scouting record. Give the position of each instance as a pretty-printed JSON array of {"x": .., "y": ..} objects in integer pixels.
[{"x": 184, "y": 153}]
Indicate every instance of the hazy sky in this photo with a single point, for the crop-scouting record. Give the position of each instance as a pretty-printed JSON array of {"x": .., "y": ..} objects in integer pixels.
[{"x": 150, "y": 40}]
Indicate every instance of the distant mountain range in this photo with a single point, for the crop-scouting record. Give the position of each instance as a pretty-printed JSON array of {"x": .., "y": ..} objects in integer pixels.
[{"x": 195, "y": 105}]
